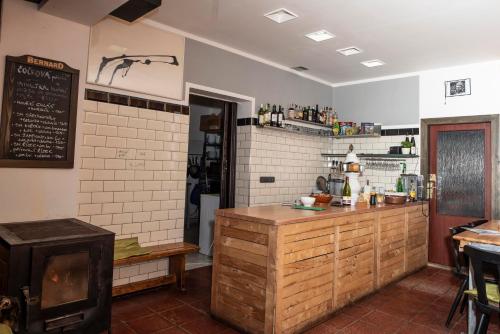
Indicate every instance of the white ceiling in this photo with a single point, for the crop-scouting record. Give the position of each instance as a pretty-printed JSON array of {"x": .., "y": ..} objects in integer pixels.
[{"x": 408, "y": 35}]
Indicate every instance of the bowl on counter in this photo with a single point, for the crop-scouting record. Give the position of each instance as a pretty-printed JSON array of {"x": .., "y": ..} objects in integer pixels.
[
  {"x": 322, "y": 198},
  {"x": 395, "y": 198},
  {"x": 307, "y": 201}
]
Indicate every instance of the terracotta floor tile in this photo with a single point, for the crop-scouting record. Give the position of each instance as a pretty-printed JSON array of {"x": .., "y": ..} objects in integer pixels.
[
  {"x": 357, "y": 310},
  {"x": 322, "y": 329},
  {"x": 128, "y": 310},
  {"x": 412, "y": 328},
  {"x": 183, "y": 314},
  {"x": 204, "y": 326},
  {"x": 149, "y": 324},
  {"x": 389, "y": 323},
  {"x": 340, "y": 321},
  {"x": 121, "y": 328},
  {"x": 361, "y": 327}
]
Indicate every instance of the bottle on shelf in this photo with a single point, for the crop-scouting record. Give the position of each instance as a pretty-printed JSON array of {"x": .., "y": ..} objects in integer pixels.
[
  {"x": 316, "y": 118},
  {"x": 309, "y": 114},
  {"x": 274, "y": 116},
  {"x": 281, "y": 116},
  {"x": 346, "y": 193},
  {"x": 367, "y": 190},
  {"x": 291, "y": 112},
  {"x": 298, "y": 112},
  {"x": 413, "y": 148},
  {"x": 267, "y": 115},
  {"x": 262, "y": 116},
  {"x": 305, "y": 114}
]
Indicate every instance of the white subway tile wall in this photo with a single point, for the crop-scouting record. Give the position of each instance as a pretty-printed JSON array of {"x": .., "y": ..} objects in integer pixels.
[
  {"x": 294, "y": 160},
  {"x": 132, "y": 179}
]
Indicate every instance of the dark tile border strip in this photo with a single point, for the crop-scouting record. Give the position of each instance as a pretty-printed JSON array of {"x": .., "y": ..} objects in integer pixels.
[
  {"x": 387, "y": 132},
  {"x": 126, "y": 100},
  {"x": 401, "y": 132}
]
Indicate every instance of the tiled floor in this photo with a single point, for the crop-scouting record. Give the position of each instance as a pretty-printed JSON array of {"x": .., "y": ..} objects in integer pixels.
[{"x": 417, "y": 304}]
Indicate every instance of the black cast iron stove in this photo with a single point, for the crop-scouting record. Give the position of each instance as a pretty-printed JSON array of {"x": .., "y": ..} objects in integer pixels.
[{"x": 61, "y": 271}]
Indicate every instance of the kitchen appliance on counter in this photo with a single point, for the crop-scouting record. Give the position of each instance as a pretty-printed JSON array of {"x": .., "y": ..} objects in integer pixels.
[
  {"x": 336, "y": 184},
  {"x": 417, "y": 180}
]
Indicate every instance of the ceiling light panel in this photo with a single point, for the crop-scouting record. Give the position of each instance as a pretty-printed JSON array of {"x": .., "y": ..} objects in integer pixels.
[
  {"x": 373, "y": 63},
  {"x": 320, "y": 36},
  {"x": 281, "y": 15},
  {"x": 352, "y": 50}
]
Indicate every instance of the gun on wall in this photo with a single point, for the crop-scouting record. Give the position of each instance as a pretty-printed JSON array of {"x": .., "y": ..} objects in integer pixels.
[{"x": 126, "y": 62}]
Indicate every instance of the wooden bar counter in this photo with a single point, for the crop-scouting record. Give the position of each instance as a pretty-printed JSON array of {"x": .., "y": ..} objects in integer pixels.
[{"x": 281, "y": 270}]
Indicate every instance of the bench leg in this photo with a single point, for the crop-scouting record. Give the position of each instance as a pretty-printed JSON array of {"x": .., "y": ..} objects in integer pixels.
[{"x": 177, "y": 266}]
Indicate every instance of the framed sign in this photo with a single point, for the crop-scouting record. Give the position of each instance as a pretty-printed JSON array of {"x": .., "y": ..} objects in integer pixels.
[
  {"x": 39, "y": 108},
  {"x": 459, "y": 87}
]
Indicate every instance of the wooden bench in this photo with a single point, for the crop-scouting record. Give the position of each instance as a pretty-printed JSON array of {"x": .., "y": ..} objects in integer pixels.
[{"x": 176, "y": 252}]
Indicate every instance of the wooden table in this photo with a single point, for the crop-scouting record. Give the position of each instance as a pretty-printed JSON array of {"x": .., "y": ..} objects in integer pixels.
[{"x": 466, "y": 238}]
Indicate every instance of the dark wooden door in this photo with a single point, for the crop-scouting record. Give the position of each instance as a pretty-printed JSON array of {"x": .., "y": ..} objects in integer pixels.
[
  {"x": 460, "y": 157},
  {"x": 228, "y": 156}
]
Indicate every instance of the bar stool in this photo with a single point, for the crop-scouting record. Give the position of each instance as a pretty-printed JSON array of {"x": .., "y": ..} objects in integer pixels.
[{"x": 486, "y": 295}]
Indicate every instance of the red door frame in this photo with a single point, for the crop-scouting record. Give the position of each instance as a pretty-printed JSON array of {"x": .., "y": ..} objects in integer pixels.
[{"x": 439, "y": 251}]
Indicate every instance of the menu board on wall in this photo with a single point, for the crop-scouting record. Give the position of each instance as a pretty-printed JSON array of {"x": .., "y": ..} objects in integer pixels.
[{"x": 38, "y": 113}]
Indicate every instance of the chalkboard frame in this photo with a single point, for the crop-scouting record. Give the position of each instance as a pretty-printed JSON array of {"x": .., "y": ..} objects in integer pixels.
[{"x": 7, "y": 104}]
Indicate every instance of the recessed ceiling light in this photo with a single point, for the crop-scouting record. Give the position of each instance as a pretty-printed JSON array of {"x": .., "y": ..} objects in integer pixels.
[
  {"x": 373, "y": 63},
  {"x": 319, "y": 36},
  {"x": 281, "y": 15},
  {"x": 300, "y": 68},
  {"x": 352, "y": 50}
]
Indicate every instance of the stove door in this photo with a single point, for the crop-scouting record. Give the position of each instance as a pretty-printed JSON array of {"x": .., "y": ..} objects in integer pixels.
[{"x": 64, "y": 280}]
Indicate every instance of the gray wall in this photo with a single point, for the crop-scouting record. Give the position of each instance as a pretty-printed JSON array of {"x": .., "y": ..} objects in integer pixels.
[
  {"x": 390, "y": 102},
  {"x": 213, "y": 67}
]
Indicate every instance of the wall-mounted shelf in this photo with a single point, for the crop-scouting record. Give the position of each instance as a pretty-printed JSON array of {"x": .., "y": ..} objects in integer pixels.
[
  {"x": 319, "y": 125},
  {"x": 375, "y": 135},
  {"x": 372, "y": 156},
  {"x": 303, "y": 130}
]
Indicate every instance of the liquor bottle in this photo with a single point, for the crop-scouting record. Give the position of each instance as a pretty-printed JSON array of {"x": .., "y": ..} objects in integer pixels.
[
  {"x": 305, "y": 114},
  {"x": 317, "y": 115},
  {"x": 274, "y": 116},
  {"x": 413, "y": 148},
  {"x": 413, "y": 192},
  {"x": 281, "y": 116},
  {"x": 309, "y": 114},
  {"x": 399, "y": 185},
  {"x": 346, "y": 193},
  {"x": 267, "y": 115},
  {"x": 262, "y": 116},
  {"x": 291, "y": 112}
]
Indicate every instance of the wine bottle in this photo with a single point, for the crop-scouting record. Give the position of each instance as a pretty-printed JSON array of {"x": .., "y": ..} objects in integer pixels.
[
  {"x": 305, "y": 114},
  {"x": 399, "y": 185},
  {"x": 317, "y": 118},
  {"x": 413, "y": 148},
  {"x": 262, "y": 116},
  {"x": 281, "y": 116},
  {"x": 346, "y": 193},
  {"x": 267, "y": 115},
  {"x": 291, "y": 112},
  {"x": 309, "y": 114},
  {"x": 274, "y": 116}
]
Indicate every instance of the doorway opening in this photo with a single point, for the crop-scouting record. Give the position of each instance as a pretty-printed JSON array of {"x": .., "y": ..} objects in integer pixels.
[
  {"x": 211, "y": 171},
  {"x": 461, "y": 155}
]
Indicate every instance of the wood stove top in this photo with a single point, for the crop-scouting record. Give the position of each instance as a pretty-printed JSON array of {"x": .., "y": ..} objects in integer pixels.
[{"x": 48, "y": 230}]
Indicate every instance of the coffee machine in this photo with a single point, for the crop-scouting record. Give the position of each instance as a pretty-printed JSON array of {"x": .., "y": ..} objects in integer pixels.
[{"x": 417, "y": 180}]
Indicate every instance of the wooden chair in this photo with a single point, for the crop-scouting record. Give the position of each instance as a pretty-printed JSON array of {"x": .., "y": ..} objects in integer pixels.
[
  {"x": 481, "y": 257},
  {"x": 175, "y": 252}
]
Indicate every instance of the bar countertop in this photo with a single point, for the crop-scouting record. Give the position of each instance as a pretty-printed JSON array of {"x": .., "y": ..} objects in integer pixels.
[{"x": 281, "y": 215}]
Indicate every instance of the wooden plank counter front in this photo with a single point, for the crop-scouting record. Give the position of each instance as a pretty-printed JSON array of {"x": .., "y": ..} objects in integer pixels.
[{"x": 280, "y": 270}]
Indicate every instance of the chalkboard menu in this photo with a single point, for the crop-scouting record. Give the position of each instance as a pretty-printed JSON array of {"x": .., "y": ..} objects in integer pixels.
[{"x": 38, "y": 113}]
